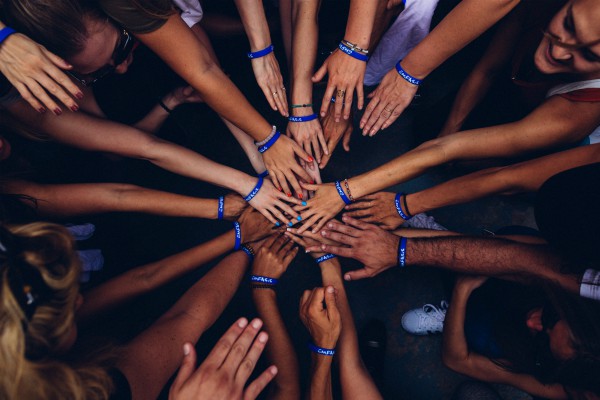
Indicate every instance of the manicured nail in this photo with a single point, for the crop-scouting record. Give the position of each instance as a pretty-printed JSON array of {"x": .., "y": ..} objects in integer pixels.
[
  {"x": 299, "y": 218},
  {"x": 263, "y": 337},
  {"x": 74, "y": 107},
  {"x": 57, "y": 111},
  {"x": 273, "y": 370},
  {"x": 288, "y": 194},
  {"x": 257, "y": 323},
  {"x": 277, "y": 223},
  {"x": 312, "y": 182},
  {"x": 290, "y": 224},
  {"x": 300, "y": 196},
  {"x": 79, "y": 95},
  {"x": 186, "y": 349},
  {"x": 41, "y": 110},
  {"x": 242, "y": 323},
  {"x": 310, "y": 159},
  {"x": 304, "y": 203},
  {"x": 280, "y": 189}
]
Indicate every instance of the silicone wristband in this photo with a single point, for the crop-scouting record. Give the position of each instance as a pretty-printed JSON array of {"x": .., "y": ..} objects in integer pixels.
[
  {"x": 326, "y": 257},
  {"x": 345, "y": 198},
  {"x": 248, "y": 252},
  {"x": 402, "y": 252},
  {"x": 263, "y": 279},
  {"x": 263, "y": 174},
  {"x": 261, "y": 53},
  {"x": 406, "y": 76},
  {"x": 352, "y": 53},
  {"x": 256, "y": 189},
  {"x": 238, "y": 235},
  {"x": 6, "y": 32},
  {"x": 321, "y": 350},
  {"x": 305, "y": 118},
  {"x": 402, "y": 214},
  {"x": 270, "y": 143},
  {"x": 221, "y": 207}
]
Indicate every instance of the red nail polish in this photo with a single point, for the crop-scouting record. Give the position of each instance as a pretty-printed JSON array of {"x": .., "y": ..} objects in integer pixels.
[
  {"x": 312, "y": 182},
  {"x": 300, "y": 195},
  {"x": 41, "y": 110},
  {"x": 289, "y": 195},
  {"x": 74, "y": 107},
  {"x": 280, "y": 189},
  {"x": 310, "y": 159},
  {"x": 79, "y": 95},
  {"x": 57, "y": 111}
]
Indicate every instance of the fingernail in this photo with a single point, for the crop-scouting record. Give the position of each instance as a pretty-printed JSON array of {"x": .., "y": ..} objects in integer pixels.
[
  {"x": 310, "y": 159},
  {"x": 324, "y": 233},
  {"x": 307, "y": 251},
  {"x": 41, "y": 110},
  {"x": 263, "y": 337},
  {"x": 79, "y": 95},
  {"x": 299, "y": 218},
  {"x": 257, "y": 323},
  {"x": 347, "y": 277},
  {"x": 288, "y": 194},
  {"x": 74, "y": 107},
  {"x": 304, "y": 203},
  {"x": 277, "y": 223},
  {"x": 290, "y": 224},
  {"x": 330, "y": 289},
  {"x": 312, "y": 182},
  {"x": 242, "y": 323},
  {"x": 273, "y": 370},
  {"x": 186, "y": 349},
  {"x": 57, "y": 111},
  {"x": 330, "y": 225},
  {"x": 280, "y": 189},
  {"x": 300, "y": 195},
  {"x": 322, "y": 114}
]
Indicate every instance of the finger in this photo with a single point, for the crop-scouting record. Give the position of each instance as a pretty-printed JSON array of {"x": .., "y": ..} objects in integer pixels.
[
  {"x": 287, "y": 199},
  {"x": 346, "y": 140},
  {"x": 269, "y": 242},
  {"x": 335, "y": 226},
  {"x": 360, "y": 94},
  {"x": 35, "y": 90},
  {"x": 314, "y": 141},
  {"x": 306, "y": 146},
  {"x": 276, "y": 179},
  {"x": 356, "y": 223},
  {"x": 359, "y": 213},
  {"x": 340, "y": 98},
  {"x": 280, "y": 243},
  {"x": 320, "y": 74},
  {"x": 249, "y": 361},
  {"x": 346, "y": 252},
  {"x": 267, "y": 214},
  {"x": 327, "y": 99},
  {"x": 361, "y": 204},
  {"x": 304, "y": 299},
  {"x": 310, "y": 186},
  {"x": 308, "y": 223},
  {"x": 368, "y": 114},
  {"x": 331, "y": 304},
  {"x": 280, "y": 100},
  {"x": 279, "y": 215},
  {"x": 258, "y": 385},
  {"x": 240, "y": 347},
  {"x": 357, "y": 275},
  {"x": 187, "y": 367},
  {"x": 55, "y": 90},
  {"x": 316, "y": 300},
  {"x": 295, "y": 238},
  {"x": 63, "y": 80},
  {"x": 392, "y": 118},
  {"x": 290, "y": 254},
  {"x": 325, "y": 160},
  {"x": 339, "y": 237},
  {"x": 282, "y": 178},
  {"x": 348, "y": 102},
  {"x": 384, "y": 114},
  {"x": 317, "y": 227},
  {"x": 29, "y": 98},
  {"x": 219, "y": 353},
  {"x": 322, "y": 141},
  {"x": 302, "y": 154}
]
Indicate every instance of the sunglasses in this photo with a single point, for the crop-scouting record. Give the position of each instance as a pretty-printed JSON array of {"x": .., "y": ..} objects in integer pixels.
[{"x": 122, "y": 50}]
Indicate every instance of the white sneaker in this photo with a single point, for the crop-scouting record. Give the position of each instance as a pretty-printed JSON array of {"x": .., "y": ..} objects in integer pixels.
[
  {"x": 426, "y": 320},
  {"x": 423, "y": 221}
]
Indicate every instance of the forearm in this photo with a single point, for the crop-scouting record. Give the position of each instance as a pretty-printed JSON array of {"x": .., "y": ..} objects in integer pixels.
[
  {"x": 360, "y": 22},
  {"x": 280, "y": 349},
  {"x": 304, "y": 49},
  {"x": 146, "y": 278},
  {"x": 454, "y": 344},
  {"x": 152, "y": 122},
  {"x": 247, "y": 144},
  {"x": 453, "y": 33},
  {"x": 320, "y": 381},
  {"x": 255, "y": 23}
]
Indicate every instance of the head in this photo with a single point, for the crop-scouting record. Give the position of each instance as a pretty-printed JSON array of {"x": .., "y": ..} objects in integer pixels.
[
  {"x": 39, "y": 294},
  {"x": 571, "y": 43}
]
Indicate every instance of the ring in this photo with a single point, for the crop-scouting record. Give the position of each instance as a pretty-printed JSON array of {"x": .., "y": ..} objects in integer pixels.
[
  {"x": 274, "y": 93},
  {"x": 341, "y": 93},
  {"x": 283, "y": 88},
  {"x": 390, "y": 111}
]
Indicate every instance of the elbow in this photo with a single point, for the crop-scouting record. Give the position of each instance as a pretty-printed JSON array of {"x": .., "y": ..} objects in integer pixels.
[
  {"x": 454, "y": 362},
  {"x": 509, "y": 180},
  {"x": 149, "y": 149}
]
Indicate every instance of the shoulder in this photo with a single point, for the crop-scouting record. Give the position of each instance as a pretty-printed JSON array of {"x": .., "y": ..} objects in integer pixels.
[{"x": 137, "y": 16}]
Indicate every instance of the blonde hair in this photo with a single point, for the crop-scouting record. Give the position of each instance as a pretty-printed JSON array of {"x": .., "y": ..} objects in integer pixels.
[{"x": 29, "y": 365}]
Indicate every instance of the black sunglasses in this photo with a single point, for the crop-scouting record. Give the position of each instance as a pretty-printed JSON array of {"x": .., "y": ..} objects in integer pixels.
[{"x": 122, "y": 50}]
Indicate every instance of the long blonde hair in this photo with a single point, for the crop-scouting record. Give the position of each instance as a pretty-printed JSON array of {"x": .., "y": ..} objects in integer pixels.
[{"x": 41, "y": 257}]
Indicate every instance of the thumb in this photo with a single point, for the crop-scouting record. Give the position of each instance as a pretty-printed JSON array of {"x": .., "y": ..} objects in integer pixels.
[
  {"x": 320, "y": 74},
  {"x": 357, "y": 275},
  {"x": 331, "y": 303},
  {"x": 346, "y": 140},
  {"x": 188, "y": 90},
  {"x": 188, "y": 365}
]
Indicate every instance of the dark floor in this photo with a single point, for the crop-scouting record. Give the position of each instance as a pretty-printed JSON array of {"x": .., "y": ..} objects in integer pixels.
[{"x": 413, "y": 369}]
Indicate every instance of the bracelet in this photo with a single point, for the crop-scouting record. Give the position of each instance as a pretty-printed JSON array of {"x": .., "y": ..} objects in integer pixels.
[
  {"x": 321, "y": 350},
  {"x": 6, "y": 32},
  {"x": 354, "y": 47},
  {"x": 263, "y": 174},
  {"x": 265, "y": 140},
  {"x": 270, "y": 143},
  {"x": 402, "y": 252},
  {"x": 258, "y": 286},
  {"x": 256, "y": 189},
  {"x": 221, "y": 207},
  {"x": 301, "y": 105},
  {"x": 405, "y": 216},
  {"x": 326, "y": 257},
  {"x": 164, "y": 106},
  {"x": 348, "y": 190},
  {"x": 238, "y": 235},
  {"x": 305, "y": 118},
  {"x": 345, "y": 198},
  {"x": 352, "y": 53},
  {"x": 407, "y": 77},
  {"x": 265, "y": 280},
  {"x": 261, "y": 53},
  {"x": 249, "y": 251}
]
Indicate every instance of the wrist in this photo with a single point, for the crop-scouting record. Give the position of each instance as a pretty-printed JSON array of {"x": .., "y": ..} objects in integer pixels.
[
  {"x": 302, "y": 111},
  {"x": 414, "y": 69}
]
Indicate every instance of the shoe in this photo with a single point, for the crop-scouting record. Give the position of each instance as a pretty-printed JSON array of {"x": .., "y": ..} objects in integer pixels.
[
  {"x": 424, "y": 221},
  {"x": 426, "y": 320}
]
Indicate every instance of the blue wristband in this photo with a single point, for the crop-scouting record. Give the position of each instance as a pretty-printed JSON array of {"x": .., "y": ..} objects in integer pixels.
[
  {"x": 402, "y": 214},
  {"x": 305, "y": 118},
  {"x": 353, "y": 53},
  {"x": 6, "y": 32},
  {"x": 263, "y": 279},
  {"x": 338, "y": 186},
  {"x": 407, "y": 77},
  {"x": 238, "y": 235},
  {"x": 256, "y": 189},
  {"x": 321, "y": 350},
  {"x": 261, "y": 53},
  {"x": 248, "y": 252},
  {"x": 402, "y": 252},
  {"x": 333, "y": 100},
  {"x": 221, "y": 207},
  {"x": 263, "y": 174},
  {"x": 270, "y": 143},
  {"x": 326, "y": 257}
]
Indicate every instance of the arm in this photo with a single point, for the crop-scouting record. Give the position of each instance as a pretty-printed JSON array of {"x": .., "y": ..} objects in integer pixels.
[
  {"x": 456, "y": 354},
  {"x": 156, "y": 117},
  {"x": 272, "y": 261},
  {"x": 36, "y": 74},
  {"x": 266, "y": 68},
  {"x": 80, "y": 199}
]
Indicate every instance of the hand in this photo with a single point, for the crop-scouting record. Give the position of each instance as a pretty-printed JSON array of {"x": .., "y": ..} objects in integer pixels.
[
  {"x": 268, "y": 77},
  {"x": 309, "y": 239},
  {"x": 281, "y": 163},
  {"x": 375, "y": 248},
  {"x": 378, "y": 208},
  {"x": 223, "y": 374},
  {"x": 273, "y": 204},
  {"x": 321, "y": 208},
  {"x": 309, "y": 135},
  {"x": 36, "y": 74},
  {"x": 315, "y": 174},
  {"x": 333, "y": 132},
  {"x": 388, "y": 101},
  {"x": 233, "y": 206},
  {"x": 274, "y": 256},
  {"x": 323, "y": 323},
  {"x": 254, "y": 225},
  {"x": 345, "y": 74},
  {"x": 181, "y": 95},
  {"x": 470, "y": 282}
]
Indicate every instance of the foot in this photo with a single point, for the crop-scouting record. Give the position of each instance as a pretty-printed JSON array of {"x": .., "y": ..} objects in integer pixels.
[{"x": 426, "y": 320}]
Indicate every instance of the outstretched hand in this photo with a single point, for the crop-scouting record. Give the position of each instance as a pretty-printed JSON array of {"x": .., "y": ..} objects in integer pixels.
[
  {"x": 320, "y": 314},
  {"x": 268, "y": 76},
  {"x": 274, "y": 257},
  {"x": 378, "y": 208},
  {"x": 334, "y": 131},
  {"x": 223, "y": 374},
  {"x": 367, "y": 243}
]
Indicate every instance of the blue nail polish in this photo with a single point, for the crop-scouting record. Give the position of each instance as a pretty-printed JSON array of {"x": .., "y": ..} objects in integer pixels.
[
  {"x": 304, "y": 203},
  {"x": 290, "y": 224},
  {"x": 277, "y": 223},
  {"x": 299, "y": 218}
]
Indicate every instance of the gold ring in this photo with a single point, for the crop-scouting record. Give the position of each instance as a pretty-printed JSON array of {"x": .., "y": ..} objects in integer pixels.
[
  {"x": 390, "y": 111},
  {"x": 341, "y": 93}
]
